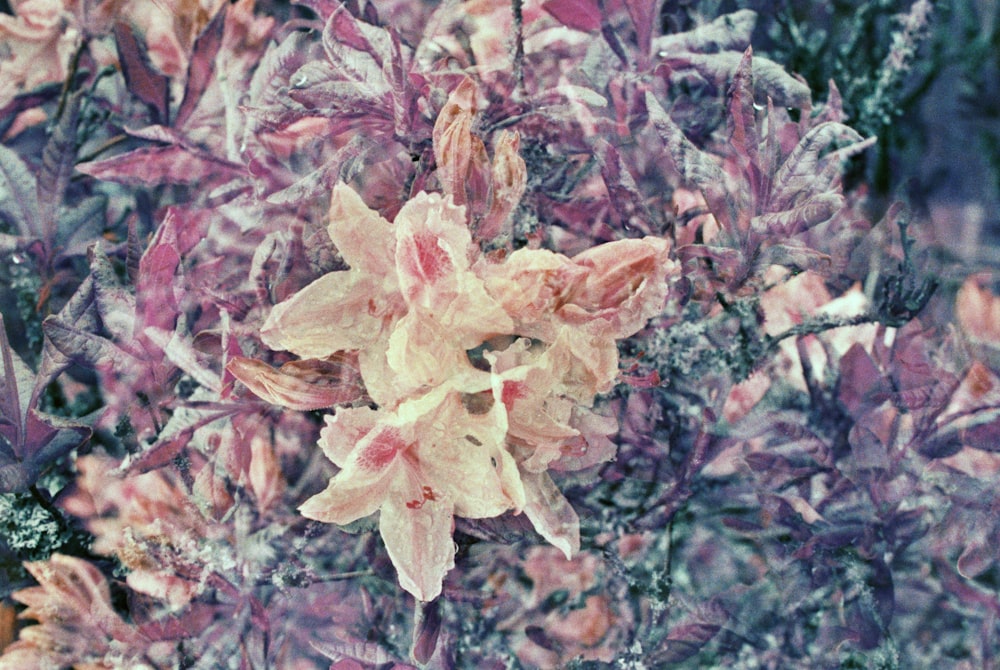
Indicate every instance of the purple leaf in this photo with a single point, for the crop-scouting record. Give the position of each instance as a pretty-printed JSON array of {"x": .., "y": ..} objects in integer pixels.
[
  {"x": 142, "y": 79},
  {"x": 201, "y": 67},
  {"x": 626, "y": 199},
  {"x": 797, "y": 173},
  {"x": 743, "y": 124},
  {"x": 696, "y": 168},
  {"x": 358, "y": 650},
  {"x": 683, "y": 642},
  {"x": 643, "y": 14},
  {"x": 154, "y": 166},
  {"x": 18, "y": 195},
  {"x": 861, "y": 381},
  {"x": 726, "y": 33},
  {"x": 15, "y": 394},
  {"x": 58, "y": 157},
  {"x": 812, "y": 212},
  {"x": 795, "y": 257},
  {"x": 426, "y": 628},
  {"x": 770, "y": 78},
  {"x": 584, "y": 15}
]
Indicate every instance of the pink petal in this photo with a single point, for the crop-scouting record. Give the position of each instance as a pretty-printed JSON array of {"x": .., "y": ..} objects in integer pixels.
[
  {"x": 433, "y": 244},
  {"x": 625, "y": 284},
  {"x": 368, "y": 476},
  {"x": 339, "y": 311},
  {"x": 344, "y": 430},
  {"x": 364, "y": 239},
  {"x": 418, "y": 540},
  {"x": 550, "y": 513},
  {"x": 298, "y": 386}
]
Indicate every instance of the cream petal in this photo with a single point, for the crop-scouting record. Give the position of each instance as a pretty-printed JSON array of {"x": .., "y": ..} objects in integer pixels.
[
  {"x": 433, "y": 243},
  {"x": 463, "y": 454},
  {"x": 337, "y": 312},
  {"x": 531, "y": 283},
  {"x": 550, "y": 513},
  {"x": 423, "y": 354},
  {"x": 364, "y": 239},
  {"x": 380, "y": 379},
  {"x": 625, "y": 285},
  {"x": 346, "y": 499},
  {"x": 344, "y": 430},
  {"x": 418, "y": 539}
]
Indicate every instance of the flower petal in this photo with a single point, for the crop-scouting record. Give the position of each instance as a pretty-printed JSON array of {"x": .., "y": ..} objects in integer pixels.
[
  {"x": 550, "y": 513},
  {"x": 301, "y": 385},
  {"x": 337, "y": 312},
  {"x": 625, "y": 284},
  {"x": 423, "y": 354},
  {"x": 345, "y": 500},
  {"x": 344, "y": 430},
  {"x": 364, "y": 239},
  {"x": 463, "y": 454},
  {"x": 368, "y": 477},
  {"x": 418, "y": 540},
  {"x": 531, "y": 284}
]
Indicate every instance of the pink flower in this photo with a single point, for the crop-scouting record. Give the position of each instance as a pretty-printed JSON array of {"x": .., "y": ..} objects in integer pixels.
[
  {"x": 409, "y": 304},
  {"x": 418, "y": 465},
  {"x": 484, "y": 372}
]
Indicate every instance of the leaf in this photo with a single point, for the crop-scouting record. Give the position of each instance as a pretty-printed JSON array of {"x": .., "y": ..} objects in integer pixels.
[
  {"x": 584, "y": 15},
  {"x": 356, "y": 49},
  {"x": 85, "y": 348},
  {"x": 643, "y": 14},
  {"x": 15, "y": 393},
  {"x": 173, "y": 164},
  {"x": 179, "y": 351},
  {"x": 626, "y": 199},
  {"x": 743, "y": 124},
  {"x": 58, "y": 157},
  {"x": 354, "y": 649},
  {"x": 797, "y": 174},
  {"x": 18, "y": 195},
  {"x": 812, "y": 212},
  {"x": 770, "y": 78},
  {"x": 114, "y": 303},
  {"x": 201, "y": 67},
  {"x": 796, "y": 257},
  {"x": 726, "y": 33},
  {"x": 696, "y": 168},
  {"x": 142, "y": 79},
  {"x": 426, "y": 629},
  {"x": 30, "y": 441}
]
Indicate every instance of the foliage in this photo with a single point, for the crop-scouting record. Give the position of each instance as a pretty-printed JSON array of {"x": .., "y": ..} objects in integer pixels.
[{"x": 549, "y": 334}]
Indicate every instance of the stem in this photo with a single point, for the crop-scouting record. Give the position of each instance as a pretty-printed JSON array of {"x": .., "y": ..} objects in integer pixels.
[{"x": 516, "y": 7}]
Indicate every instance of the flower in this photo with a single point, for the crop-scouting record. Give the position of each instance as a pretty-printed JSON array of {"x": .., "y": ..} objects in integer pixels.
[
  {"x": 420, "y": 464},
  {"x": 483, "y": 372}
]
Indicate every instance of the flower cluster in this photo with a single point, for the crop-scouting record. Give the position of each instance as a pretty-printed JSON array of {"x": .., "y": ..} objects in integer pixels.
[{"x": 483, "y": 372}]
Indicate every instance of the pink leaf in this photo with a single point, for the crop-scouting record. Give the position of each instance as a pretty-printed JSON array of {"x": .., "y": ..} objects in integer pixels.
[
  {"x": 582, "y": 15},
  {"x": 143, "y": 81},
  {"x": 154, "y": 166}
]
